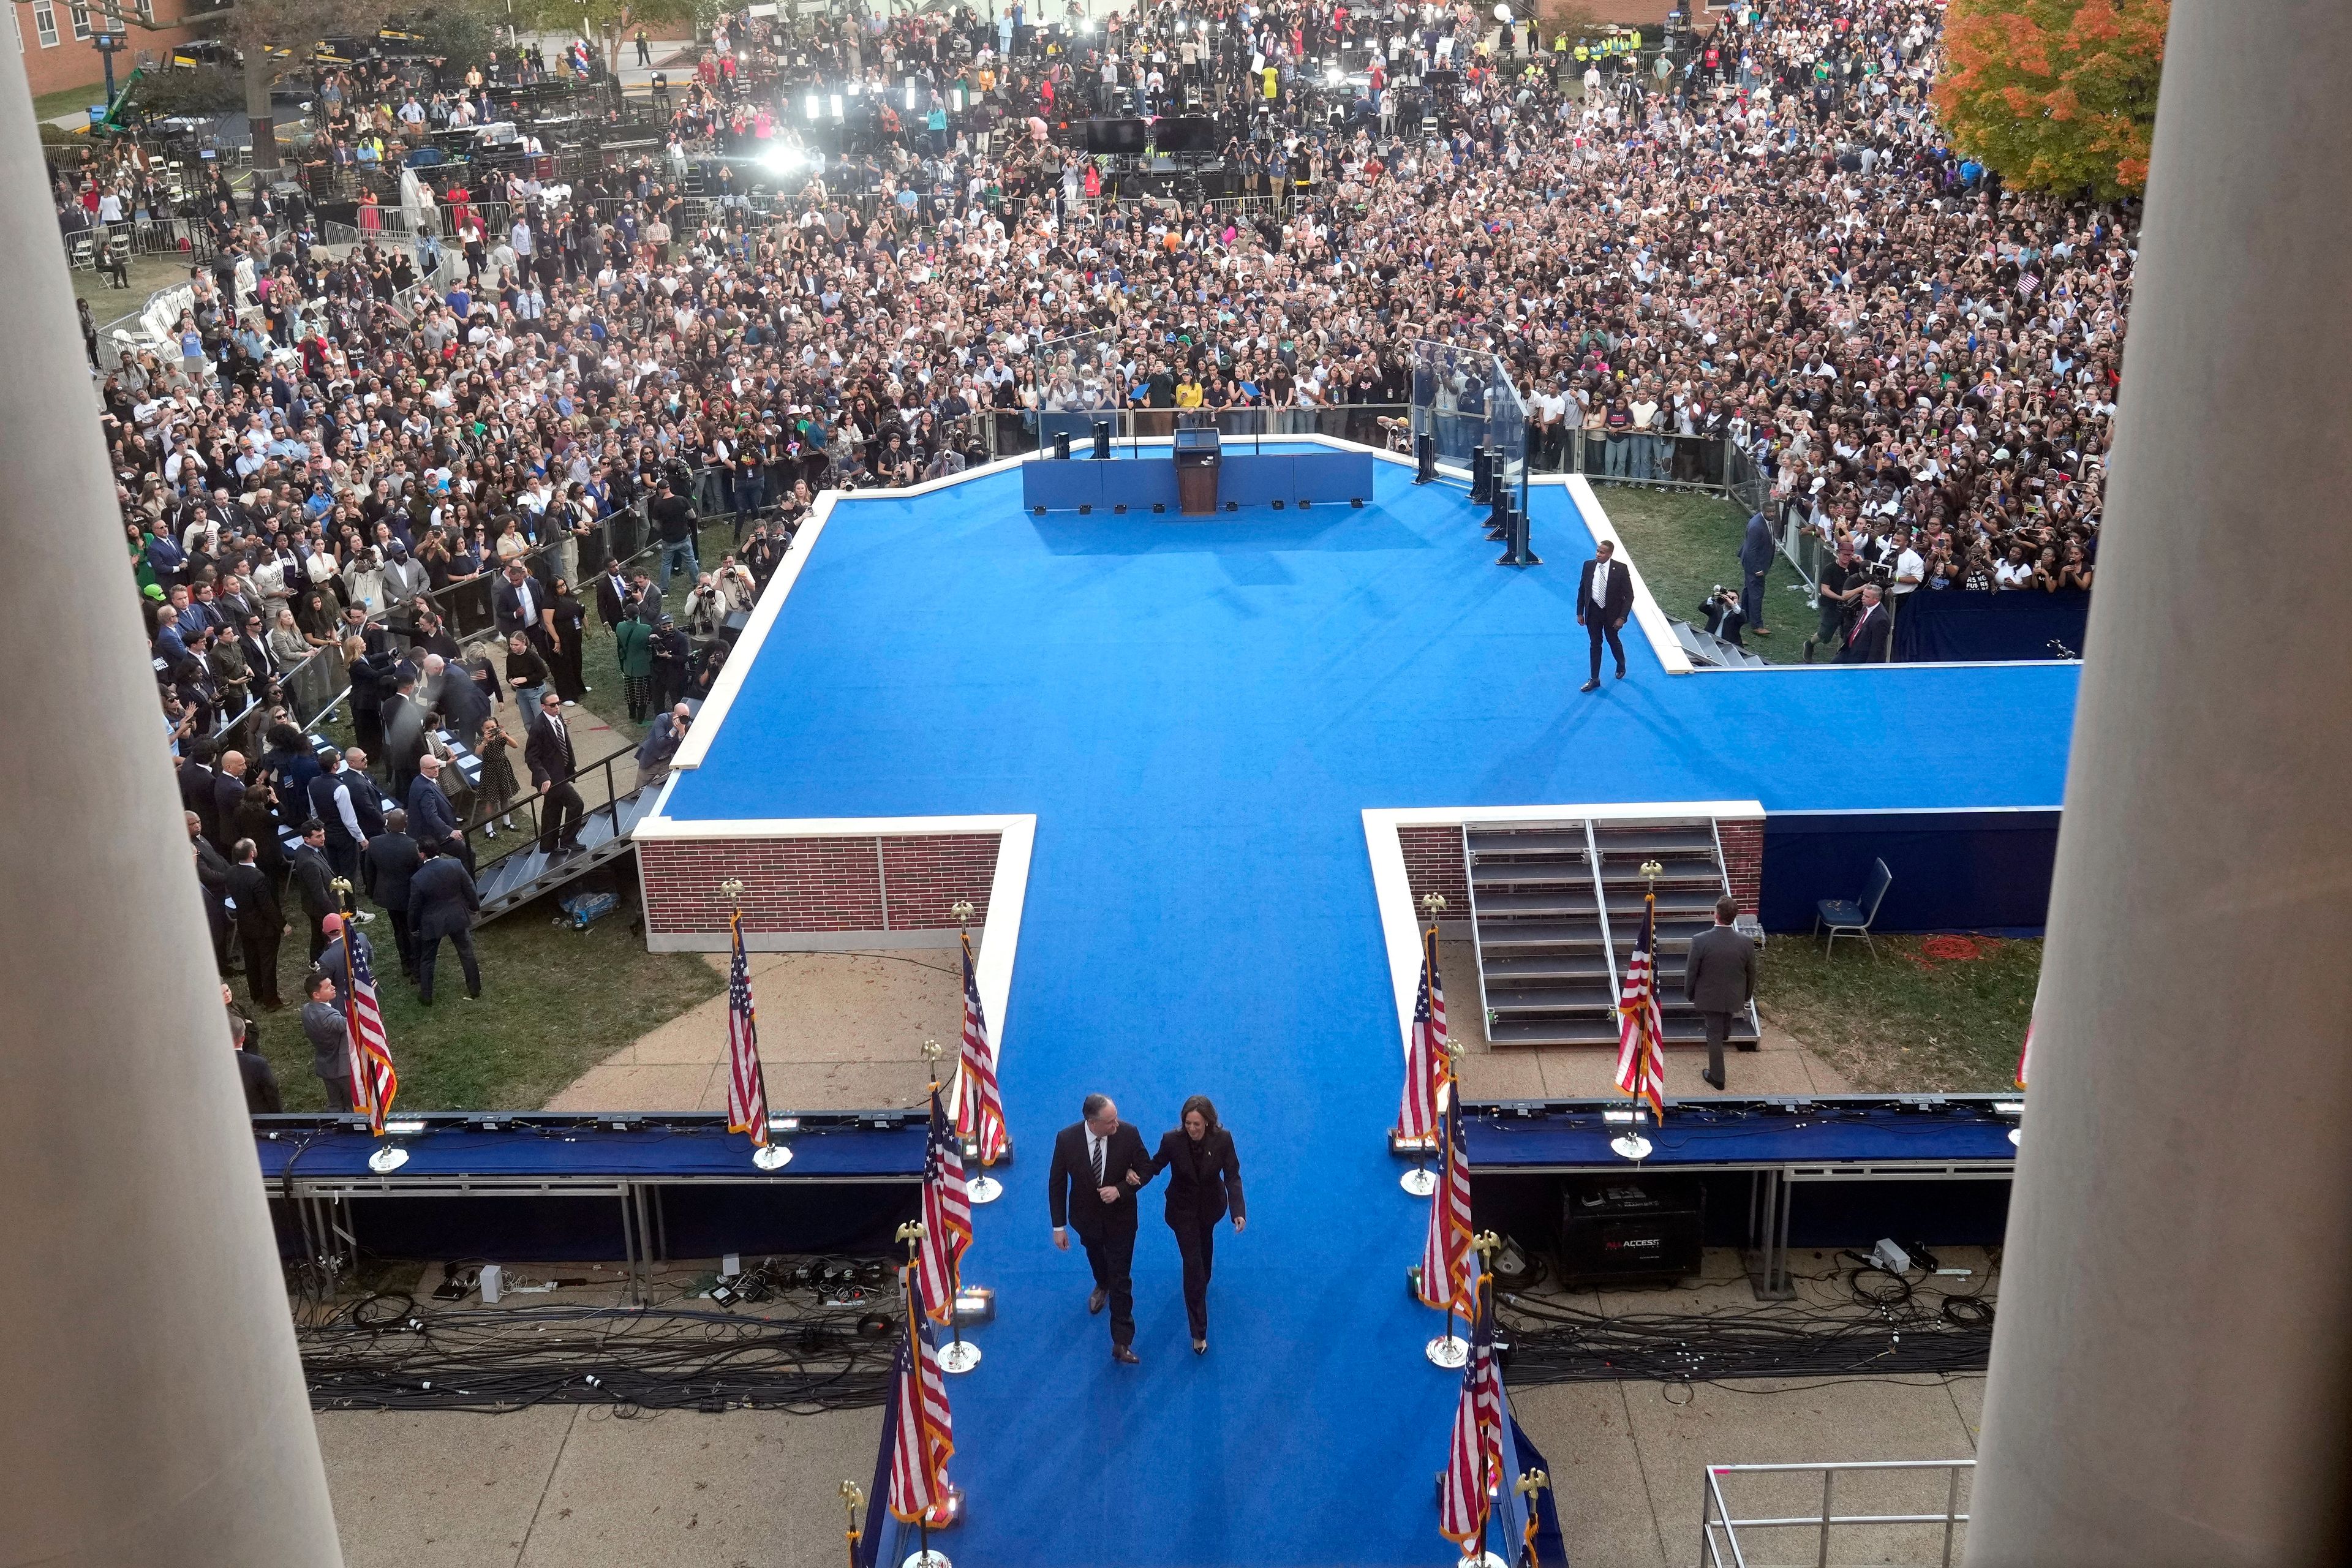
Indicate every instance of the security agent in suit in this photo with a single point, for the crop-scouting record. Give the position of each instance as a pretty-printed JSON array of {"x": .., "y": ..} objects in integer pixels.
[
  {"x": 432, "y": 818},
  {"x": 212, "y": 875},
  {"x": 1204, "y": 1183},
  {"x": 260, "y": 923},
  {"x": 1865, "y": 641},
  {"x": 1098, "y": 1163},
  {"x": 441, "y": 903},
  {"x": 386, "y": 865},
  {"x": 547, "y": 752},
  {"x": 314, "y": 881},
  {"x": 1719, "y": 979},
  {"x": 1754, "y": 564},
  {"x": 1604, "y": 597}
]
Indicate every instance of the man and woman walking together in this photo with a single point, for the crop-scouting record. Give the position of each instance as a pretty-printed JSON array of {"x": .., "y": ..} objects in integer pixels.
[{"x": 1100, "y": 1167}]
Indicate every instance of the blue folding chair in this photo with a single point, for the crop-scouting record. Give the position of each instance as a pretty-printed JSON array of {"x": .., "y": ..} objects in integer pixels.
[{"x": 1851, "y": 917}]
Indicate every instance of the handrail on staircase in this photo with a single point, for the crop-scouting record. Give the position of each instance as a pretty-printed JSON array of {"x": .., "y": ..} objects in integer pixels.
[{"x": 486, "y": 829}]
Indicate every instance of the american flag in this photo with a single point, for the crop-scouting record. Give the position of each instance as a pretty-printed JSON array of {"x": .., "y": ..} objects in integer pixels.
[
  {"x": 746, "y": 1086},
  {"x": 1474, "y": 1460},
  {"x": 1449, "y": 1268},
  {"x": 979, "y": 1110},
  {"x": 1641, "y": 1034},
  {"x": 1423, "y": 1059},
  {"x": 926, "y": 1434},
  {"x": 947, "y": 1214},
  {"x": 373, "y": 1083}
]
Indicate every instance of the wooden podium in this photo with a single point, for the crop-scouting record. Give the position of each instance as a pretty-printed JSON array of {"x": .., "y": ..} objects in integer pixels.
[{"x": 1197, "y": 460}]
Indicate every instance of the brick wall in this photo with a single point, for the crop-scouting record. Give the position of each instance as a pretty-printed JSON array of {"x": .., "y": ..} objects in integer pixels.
[
  {"x": 1432, "y": 864},
  {"x": 817, "y": 884},
  {"x": 1743, "y": 859}
]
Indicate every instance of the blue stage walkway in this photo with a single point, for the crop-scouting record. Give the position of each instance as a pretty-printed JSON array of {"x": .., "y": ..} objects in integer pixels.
[{"x": 1197, "y": 711}]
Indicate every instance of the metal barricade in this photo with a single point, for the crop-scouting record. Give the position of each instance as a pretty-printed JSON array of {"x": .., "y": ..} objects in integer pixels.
[{"x": 1720, "y": 1545}]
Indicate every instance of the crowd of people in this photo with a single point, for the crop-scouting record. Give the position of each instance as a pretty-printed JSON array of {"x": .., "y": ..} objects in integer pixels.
[{"x": 1768, "y": 249}]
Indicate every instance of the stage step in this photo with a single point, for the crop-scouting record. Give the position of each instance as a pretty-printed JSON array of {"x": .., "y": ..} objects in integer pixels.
[
  {"x": 1556, "y": 905},
  {"x": 507, "y": 884}
]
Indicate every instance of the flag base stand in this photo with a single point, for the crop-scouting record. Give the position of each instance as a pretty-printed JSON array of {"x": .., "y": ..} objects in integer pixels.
[
  {"x": 984, "y": 1190},
  {"x": 1632, "y": 1145},
  {"x": 388, "y": 1159},
  {"x": 1448, "y": 1351},
  {"x": 772, "y": 1156},
  {"x": 2016, "y": 1136},
  {"x": 927, "y": 1559},
  {"x": 959, "y": 1356},
  {"x": 1420, "y": 1184},
  {"x": 1484, "y": 1559}
]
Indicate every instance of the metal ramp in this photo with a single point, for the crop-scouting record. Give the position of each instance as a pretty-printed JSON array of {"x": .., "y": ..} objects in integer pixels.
[
  {"x": 1555, "y": 908},
  {"x": 523, "y": 873},
  {"x": 1711, "y": 652}
]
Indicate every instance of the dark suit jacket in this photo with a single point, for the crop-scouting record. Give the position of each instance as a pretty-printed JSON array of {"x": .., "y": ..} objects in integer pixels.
[
  {"x": 1070, "y": 1184},
  {"x": 403, "y": 733},
  {"x": 610, "y": 603},
  {"x": 462, "y": 703},
  {"x": 1866, "y": 642},
  {"x": 229, "y": 794},
  {"x": 312, "y": 876},
  {"x": 1721, "y": 975},
  {"x": 1619, "y": 603},
  {"x": 198, "y": 794},
  {"x": 431, "y": 818},
  {"x": 550, "y": 757},
  {"x": 385, "y": 866},
  {"x": 257, "y": 907},
  {"x": 441, "y": 899},
  {"x": 261, "y": 1096},
  {"x": 1204, "y": 1181},
  {"x": 505, "y": 607}
]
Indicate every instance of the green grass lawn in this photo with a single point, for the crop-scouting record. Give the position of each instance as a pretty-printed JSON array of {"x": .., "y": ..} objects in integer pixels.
[
  {"x": 1686, "y": 542},
  {"x": 1913, "y": 1022},
  {"x": 555, "y": 1002},
  {"x": 70, "y": 99}
]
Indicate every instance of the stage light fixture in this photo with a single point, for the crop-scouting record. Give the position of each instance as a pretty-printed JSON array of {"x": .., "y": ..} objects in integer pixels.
[
  {"x": 403, "y": 1126},
  {"x": 840, "y": 111},
  {"x": 812, "y": 106},
  {"x": 782, "y": 161},
  {"x": 1503, "y": 14},
  {"x": 784, "y": 1123}
]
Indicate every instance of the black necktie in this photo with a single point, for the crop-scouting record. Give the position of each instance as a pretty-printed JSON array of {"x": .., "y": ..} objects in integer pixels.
[{"x": 1099, "y": 1161}]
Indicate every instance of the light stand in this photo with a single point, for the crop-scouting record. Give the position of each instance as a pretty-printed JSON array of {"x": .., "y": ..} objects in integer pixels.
[{"x": 983, "y": 1188}]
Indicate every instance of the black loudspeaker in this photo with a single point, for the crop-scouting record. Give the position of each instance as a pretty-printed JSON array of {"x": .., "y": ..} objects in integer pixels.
[
  {"x": 1102, "y": 439},
  {"x": 1482, "y": 476},
  {"x": 1185, "y": 134},
  {"x": 1619, "y": 1230},
  {"x": 1061, "y": 446},
  {"x": 1425, "y": 458}
]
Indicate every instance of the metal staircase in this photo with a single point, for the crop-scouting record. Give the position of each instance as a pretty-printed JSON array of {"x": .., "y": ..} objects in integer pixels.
[
  {"x": 1555, "y": 908},
  {"x": 1711, "y": 652},
  {"x": 522, "y": 873}
]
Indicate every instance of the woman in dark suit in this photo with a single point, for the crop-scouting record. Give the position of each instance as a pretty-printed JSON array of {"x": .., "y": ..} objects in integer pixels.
[{"x": 1204, "y": 1180}]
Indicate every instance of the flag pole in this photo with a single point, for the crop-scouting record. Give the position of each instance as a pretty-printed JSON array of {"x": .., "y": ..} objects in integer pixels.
[
  {"x": 766, "y": 1155},
  {"x": 982, "y": 1188},
  {"x": 1452, "y": 1351},
  {"x": 853, "y": 1498},
  {"x": 1632, "y": 1145},
  {"x": 1418, "y": 1181},
  {"x": 387, "y": 1157},
  {"x": 1485, "y": 1244},
  {"x": 951, "y": 1358},
  {"x": 1530, "y": 1486}
]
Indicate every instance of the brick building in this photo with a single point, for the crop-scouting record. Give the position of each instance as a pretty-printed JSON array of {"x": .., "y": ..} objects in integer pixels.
[{"x": 53, "y": 38}]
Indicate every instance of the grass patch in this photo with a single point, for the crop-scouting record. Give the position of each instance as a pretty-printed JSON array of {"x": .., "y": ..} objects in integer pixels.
[
  {"x": 1914, "y": 1022},
  {"x": 69, "y": 100},
  {"x": 599, "y": 664},
  {"x": 1686, "y": 542},
  {"x": 555, "y": 1002}
]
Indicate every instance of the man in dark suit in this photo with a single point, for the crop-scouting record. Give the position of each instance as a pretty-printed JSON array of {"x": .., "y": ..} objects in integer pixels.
[
  {"x": 612, "y": 595},
  {"x": 463, "y": 704},
  {"x": 1754, "y": 564},
  {"x": 441, "y": 903},
  {"x": 386, "y": 865},
  {"x": 1604, "y": 597},
  {"x": 432, "y": 819},
  {"x": 1098, "y": 1163},
  {"x": 260, "y": 922},
  {"x": 518, "y": 604},
  {"x": 1865, "y": 641},
  {"x": 343, "y": 799},
  {"x": 198, "y": 791},
  {"x": 404, "y": 731},
  {"x": 1719, "y": 979},
  {"x": 547, "y": 752},
  {"x": 229, "y": 794},
  {"x": 313, "y": 879},
  {"x": 262, "y": 1096},
  {"x": 212, "y": 876}
]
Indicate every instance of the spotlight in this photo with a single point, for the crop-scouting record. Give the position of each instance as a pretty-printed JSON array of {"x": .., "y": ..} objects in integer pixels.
[
  {"x": 1503, "y": 14},
  {"x": 812, "y": 106},
  {"x": 781, "y": 162},
  {"x": 840, "y": 111}
]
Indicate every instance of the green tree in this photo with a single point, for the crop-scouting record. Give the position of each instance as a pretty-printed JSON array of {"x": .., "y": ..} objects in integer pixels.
[
  {"x": 277, "y": 39},
  {"x": 2055, "y": 95}
]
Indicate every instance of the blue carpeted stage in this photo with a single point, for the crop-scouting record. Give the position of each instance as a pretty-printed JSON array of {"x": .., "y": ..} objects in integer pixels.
[{"x": 1197, "y": 712}]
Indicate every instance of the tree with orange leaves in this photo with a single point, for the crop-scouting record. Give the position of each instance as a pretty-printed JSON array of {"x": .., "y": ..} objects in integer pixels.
[{"x": 2055, "y": 95}]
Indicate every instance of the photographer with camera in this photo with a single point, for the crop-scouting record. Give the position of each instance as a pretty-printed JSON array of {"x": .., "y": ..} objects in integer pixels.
[
  {"x": 1867, "y": 639},
  {"x": 1726, "y": 619}
]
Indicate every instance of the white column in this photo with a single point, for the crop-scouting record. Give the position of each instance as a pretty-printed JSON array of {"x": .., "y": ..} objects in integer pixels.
[
  {"x": 2173, "y": 1364},
  {"x": 151, "y": 1405}
]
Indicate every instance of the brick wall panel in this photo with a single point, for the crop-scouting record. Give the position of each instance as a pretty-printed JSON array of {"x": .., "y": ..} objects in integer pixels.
[
  {"x": 818, "y": 884},
  {"x": 1434, "y": 864},
  {"x": 1743, "y": 860}
]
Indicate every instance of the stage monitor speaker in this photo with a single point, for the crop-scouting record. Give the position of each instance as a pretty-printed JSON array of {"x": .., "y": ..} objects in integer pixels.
[
  {"x": 1441, "y": 78},
  {"x": 1185, "y": 134},
  {"x": 1102, "y": 439},
  {"x": 1061, "y": 446},
  {"x": 1121, "y": 138},
  {"x": 1617, "y": 1229}
]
